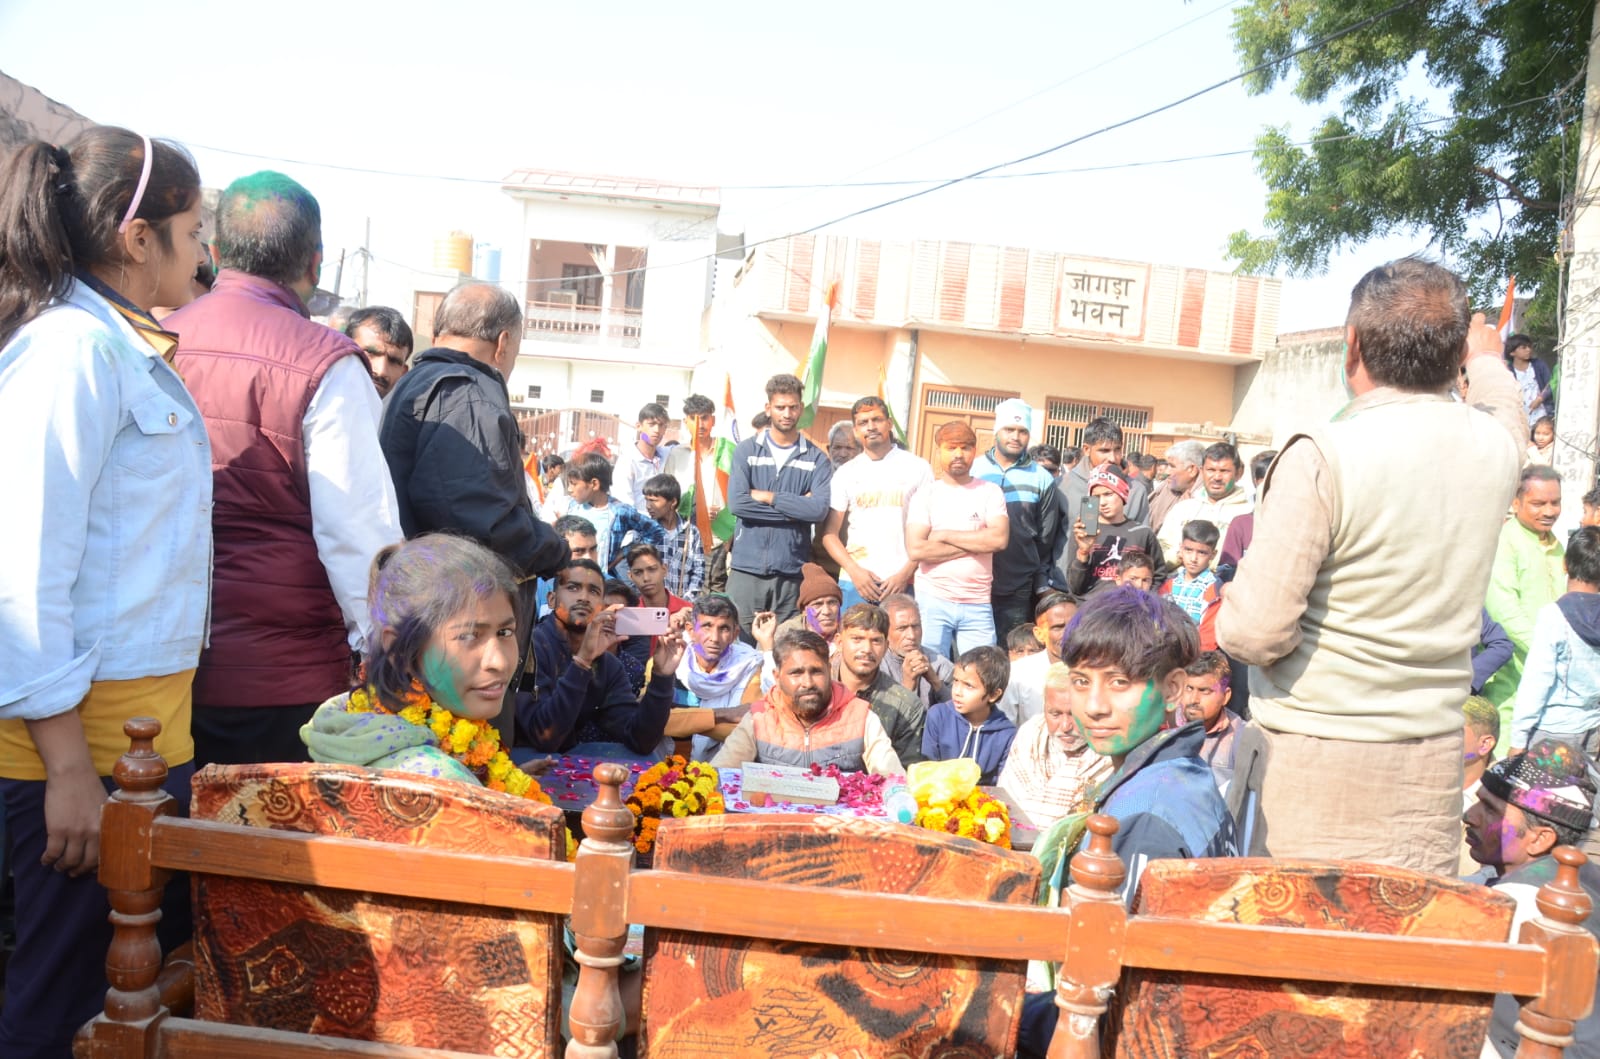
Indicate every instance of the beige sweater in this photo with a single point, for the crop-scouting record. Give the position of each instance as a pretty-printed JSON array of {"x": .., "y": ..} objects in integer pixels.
[{"x": 1359, "y": 599}]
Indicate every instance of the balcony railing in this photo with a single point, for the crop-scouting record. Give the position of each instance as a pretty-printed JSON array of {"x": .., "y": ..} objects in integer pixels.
[{"x": 587, "y": 325}]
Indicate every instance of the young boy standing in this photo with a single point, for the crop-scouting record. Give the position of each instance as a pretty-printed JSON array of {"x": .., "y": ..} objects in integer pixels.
[
  {"x": 1094, "y": 563},
  {"x": 1137, "y": 569},
  {"x": 969, "y": 726},
  {"x": 588, "y": 479},
  {"x": 683, "y": 550},
  {"x": 1194, "y": 586},
  {"x": 1561, "y": 678}
]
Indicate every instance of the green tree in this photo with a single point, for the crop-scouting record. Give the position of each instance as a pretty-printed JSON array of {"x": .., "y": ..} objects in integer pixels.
[{"x": 1489, "y": 180}]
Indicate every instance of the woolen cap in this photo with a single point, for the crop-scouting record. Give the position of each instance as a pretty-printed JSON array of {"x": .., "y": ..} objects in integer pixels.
[{"x": 815, "y": 584}]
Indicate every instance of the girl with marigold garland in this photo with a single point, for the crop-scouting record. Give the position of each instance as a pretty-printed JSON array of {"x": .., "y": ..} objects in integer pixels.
[{"x": 444, "y": 645}]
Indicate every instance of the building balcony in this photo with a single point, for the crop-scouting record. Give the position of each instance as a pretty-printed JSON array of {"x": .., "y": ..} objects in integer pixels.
[{"x": 588, "y": 325}]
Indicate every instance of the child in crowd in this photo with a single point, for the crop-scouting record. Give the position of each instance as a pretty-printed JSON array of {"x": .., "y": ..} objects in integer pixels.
[
  {"x": 1194, "y": 587},
  {"x": 1206, "y": 693},
  {"x": 1126, "y": 653},
  {"x": 1094, "y": 564},
  {"x": 1136, "y": 568},
  {"x": 969, "y": 726},
  {"x": 1021, "y": 642},
  {"x": 682, "y": 551},
  {"x": 1542, "y": 443},
  {"x": 588, "y": 479},
  {"x": 1561, "y": 679}
]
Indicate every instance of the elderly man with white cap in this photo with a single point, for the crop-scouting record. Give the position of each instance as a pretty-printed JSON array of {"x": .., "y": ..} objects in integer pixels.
[{"x": 1023, "y": 572}]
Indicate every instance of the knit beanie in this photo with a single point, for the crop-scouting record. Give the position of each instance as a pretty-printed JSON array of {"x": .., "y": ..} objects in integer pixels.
[
  {"x": 1110, "y": 476},
  {"x": 815, "y": 584},
  {"x": 1549, "y": 780}
]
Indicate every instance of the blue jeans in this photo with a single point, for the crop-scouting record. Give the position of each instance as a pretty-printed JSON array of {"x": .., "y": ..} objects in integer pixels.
[{"x": 969, "y": 624}]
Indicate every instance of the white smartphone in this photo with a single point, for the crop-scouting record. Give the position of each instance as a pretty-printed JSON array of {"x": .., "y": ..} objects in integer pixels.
[{"x": 641, "y": 621}]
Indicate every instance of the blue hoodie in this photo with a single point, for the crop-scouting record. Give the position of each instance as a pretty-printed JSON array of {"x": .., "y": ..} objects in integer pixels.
[
  {"x": 1560, "y": 689},
  {"x": 946, "y": 736}
]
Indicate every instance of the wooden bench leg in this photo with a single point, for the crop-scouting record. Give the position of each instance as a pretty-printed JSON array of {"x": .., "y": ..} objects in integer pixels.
[
  {"x": 600, "y": 917},
  {"x": 1546, "y": 1022},
  {"x": 134, "y": 888},
  {"x": 1094, "y": 946}
]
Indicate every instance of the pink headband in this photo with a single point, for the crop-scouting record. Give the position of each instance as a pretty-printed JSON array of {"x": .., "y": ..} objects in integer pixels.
[{"x": 138, "y": 192}]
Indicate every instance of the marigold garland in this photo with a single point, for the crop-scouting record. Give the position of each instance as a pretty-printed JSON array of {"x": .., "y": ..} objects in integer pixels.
[
  {"x": 672, "y": 789},
  {"x": 476, "y": 744},
  {"x": 979, "y": 816}
]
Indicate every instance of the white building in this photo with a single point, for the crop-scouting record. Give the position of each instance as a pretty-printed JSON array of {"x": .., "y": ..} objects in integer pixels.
[{"x": 616, "y": 275}]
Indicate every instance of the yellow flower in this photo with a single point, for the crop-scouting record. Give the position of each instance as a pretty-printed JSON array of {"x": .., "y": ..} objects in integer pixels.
[{"x": 461, "y": 734}]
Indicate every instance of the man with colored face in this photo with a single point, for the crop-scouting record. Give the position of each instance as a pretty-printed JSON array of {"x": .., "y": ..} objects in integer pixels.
[
  {"x": 584, "y": 703},
  {"x": 953, "y": 530},
  {"x": 1527, "y": 805},
  {"x": 807, "y": 718}
]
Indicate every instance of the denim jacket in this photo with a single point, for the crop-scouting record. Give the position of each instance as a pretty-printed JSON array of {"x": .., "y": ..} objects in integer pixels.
[{"x": 107, "y": 531}]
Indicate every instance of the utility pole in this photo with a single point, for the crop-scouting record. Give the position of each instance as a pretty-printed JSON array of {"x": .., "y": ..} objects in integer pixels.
[
  {"x": 1578, "y": 418},
  {"x": 366, "y": 261}
]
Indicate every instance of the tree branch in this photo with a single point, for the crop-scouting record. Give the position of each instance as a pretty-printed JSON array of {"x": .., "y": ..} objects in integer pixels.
[{"x": 1516, "y": 192}]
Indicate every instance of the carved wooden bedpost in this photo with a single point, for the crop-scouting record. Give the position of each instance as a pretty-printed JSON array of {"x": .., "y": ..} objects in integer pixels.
[
  {"x": 1094, "y": 946},
  {"x": 134, "y": 889},
  {"x": 600, "y": 917},
  {"x": 1546, "y": 1022}
]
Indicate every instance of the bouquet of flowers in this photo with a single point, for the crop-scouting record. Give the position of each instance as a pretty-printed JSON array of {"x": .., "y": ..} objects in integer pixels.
[
  {"x": 950, "y": 800},
  {"x": 676, "y": 787},
  {"x": 978, "y": 815}
]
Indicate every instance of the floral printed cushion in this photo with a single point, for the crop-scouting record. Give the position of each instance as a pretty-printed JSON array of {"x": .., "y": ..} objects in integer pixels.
[
  {"x": 347, "y": 964},
  {"x": 1161, "y": 1014},
  {"x": 708, "y": 995}
]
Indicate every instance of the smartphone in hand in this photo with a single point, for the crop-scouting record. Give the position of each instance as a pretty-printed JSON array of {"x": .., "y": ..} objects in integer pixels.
[
  {"x": 641, "y": 621},
  {"x": 1089, "y": 515}
]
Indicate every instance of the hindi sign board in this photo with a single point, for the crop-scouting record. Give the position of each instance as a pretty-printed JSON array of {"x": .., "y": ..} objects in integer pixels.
[{"x": 1101, "y": 297}]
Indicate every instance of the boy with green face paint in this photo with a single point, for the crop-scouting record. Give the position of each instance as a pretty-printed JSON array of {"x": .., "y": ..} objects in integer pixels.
[{"x": 1125, "y": 653}]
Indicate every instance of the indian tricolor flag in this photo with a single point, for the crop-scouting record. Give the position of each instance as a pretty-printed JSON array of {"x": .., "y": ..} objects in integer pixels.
[
  {"x": 1508, "y": 311},
  {"x": 724, "y": 438},
  {"x": 811, "y": 381}
]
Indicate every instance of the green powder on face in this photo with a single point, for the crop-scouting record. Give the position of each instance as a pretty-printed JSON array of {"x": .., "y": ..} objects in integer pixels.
[{"x": 444, "y": 682}]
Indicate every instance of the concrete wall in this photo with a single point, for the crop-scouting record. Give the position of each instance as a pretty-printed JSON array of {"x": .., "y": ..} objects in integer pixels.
[
  {"x": 567, "y": 384},
  {"x": 1299, "y": 382}
]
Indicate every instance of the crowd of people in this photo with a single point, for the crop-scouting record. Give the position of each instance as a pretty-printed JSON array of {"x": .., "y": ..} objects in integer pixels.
[{"x": 287, "y": 541}]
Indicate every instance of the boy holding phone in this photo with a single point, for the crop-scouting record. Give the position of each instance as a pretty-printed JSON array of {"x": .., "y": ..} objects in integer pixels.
[{"x": 1103, "y": 534}]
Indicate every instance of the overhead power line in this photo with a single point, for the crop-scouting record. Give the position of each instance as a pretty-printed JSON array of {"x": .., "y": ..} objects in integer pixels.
[{"x": 977, "y": 174}]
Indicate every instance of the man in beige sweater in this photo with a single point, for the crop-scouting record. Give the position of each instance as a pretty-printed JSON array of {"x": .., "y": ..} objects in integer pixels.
[{"x": 1359, "y": 625}]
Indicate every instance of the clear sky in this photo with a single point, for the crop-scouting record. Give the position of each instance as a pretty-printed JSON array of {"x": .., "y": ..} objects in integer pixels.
[{"x": 729, "y": 94}]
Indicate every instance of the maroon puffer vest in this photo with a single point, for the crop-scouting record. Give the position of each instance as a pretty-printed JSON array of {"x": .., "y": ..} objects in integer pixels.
[{"x": 253, "y": 362}]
